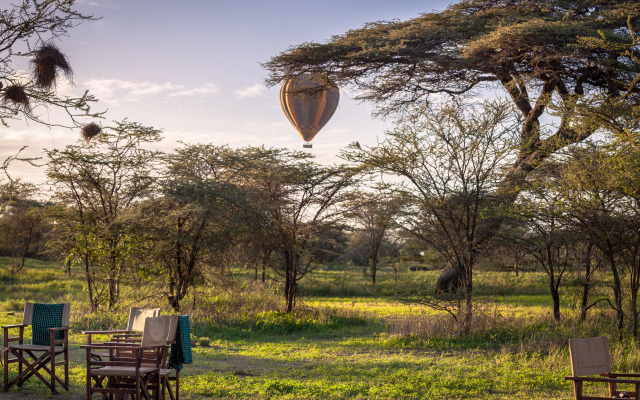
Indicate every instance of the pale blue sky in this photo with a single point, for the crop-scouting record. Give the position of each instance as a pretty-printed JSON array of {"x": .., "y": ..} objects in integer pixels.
[{"x": 192, "y": 68}]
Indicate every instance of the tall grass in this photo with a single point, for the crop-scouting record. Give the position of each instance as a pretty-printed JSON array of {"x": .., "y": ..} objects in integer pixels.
[{"x": 348, "y": 337}]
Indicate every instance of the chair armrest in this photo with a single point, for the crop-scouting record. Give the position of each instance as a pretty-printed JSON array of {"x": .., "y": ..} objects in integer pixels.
[
  {"x": 627, "y": 374},
  {"x": 122, "y": 344},
  {"x": 14, "y": 326},
  {"x": 108, "y": 346},
  {"x": 11, "y": 339},
  {"x": 596, "y": 379},
  {"x": 103, "y": 332},
  {"x": 127, "y": 336},
  {"x": 89, "y": 334}
]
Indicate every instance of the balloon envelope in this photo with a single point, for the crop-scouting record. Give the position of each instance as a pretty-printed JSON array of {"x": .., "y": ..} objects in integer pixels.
[{"x": 309, "y": 101}]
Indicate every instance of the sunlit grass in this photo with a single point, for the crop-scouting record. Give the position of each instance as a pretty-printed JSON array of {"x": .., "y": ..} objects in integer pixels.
[{"x": 349, "y": 339}]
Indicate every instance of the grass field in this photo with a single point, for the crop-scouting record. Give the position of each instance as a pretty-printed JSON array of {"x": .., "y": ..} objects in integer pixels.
[{"x": 348, "y": 340}]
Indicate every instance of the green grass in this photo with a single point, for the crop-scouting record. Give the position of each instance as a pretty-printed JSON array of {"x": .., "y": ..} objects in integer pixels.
[{"x": 348, "y": 339}]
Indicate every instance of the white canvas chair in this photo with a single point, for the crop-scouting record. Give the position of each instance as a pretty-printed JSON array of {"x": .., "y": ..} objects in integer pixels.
[
  {"x": 49, "y": 346},
  {"x": 132, "y": 369},
  {"x": 168, "y": 374},
  {"x": 135, "y": 326},
  {"x": 591, "y": 362}
]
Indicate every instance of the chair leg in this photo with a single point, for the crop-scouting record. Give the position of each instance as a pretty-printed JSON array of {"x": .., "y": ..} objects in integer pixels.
[
  {"x": 5, "y": 356},
  {"x": 20, "y": 366},
  {"x": 53, "y": 368},
  {"x": 577, "y": 389},
  {"x": 32, "y": 368}
]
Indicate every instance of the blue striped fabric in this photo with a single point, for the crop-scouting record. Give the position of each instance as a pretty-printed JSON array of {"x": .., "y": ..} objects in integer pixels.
[
  {"x": 181, "y": 350},
  {"x": 45, "y": 316}
]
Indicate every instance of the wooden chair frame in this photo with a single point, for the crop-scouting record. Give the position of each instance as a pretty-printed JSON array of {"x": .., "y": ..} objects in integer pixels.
[
  {"x": 30, "y": 363},
  {"x": 603, "y": 370},
  {"x": 129, "y": 369},
  {"x": 137, "y": 375}
]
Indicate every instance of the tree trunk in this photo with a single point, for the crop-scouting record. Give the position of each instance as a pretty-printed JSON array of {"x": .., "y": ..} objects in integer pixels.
[
  {"x": 26, "y": 246},
  {"x": 553, "y": 287},
  {"x": 114, "y": 289},
  {"x": 617, "y": 291},
  {"x": 634, "y": 312},
  {"x": 555, "y": 295},
  {"x": 174, "y": 303},
  {"x": 288, "y": 281},
  {"x": 374, "y": 267},
  {"x": 468, "y": 311},
  {"x": 635, "y": 285},
  {"x": 87, "y": 271},
  {"x": 586, "y": 286}
]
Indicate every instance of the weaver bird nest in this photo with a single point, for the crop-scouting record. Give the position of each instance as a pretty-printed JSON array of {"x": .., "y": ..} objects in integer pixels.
[
  {"x": 48, "y": 59},
  {"x": 90, "y": 130},
  {"x": 16, "y": 95}
]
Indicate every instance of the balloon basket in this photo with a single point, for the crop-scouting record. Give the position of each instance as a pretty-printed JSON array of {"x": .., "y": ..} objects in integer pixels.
[{"x": 307, "y": 146}]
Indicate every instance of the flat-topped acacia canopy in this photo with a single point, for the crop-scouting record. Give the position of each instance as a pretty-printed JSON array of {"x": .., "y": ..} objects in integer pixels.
[
  {"x": 527, "y": 48},
  {"x": 530, "y": 50},
  {"x": 522, "y": 46}
]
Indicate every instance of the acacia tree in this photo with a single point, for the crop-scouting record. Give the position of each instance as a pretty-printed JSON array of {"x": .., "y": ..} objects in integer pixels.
[
  {"x": 451, "y": 162},
  {"x": 374, "y": 213},
  {"x": 594, "y": 204},
  {"x": 548, "y": 236},
  {"x": 19, "y": 213},
  {"x": 201, "y": 212},
  {"x": 23, "y": 228},
  {"x": 29, "y": 30},
  {"x": 528, "y": 49},
  {"x": 301, "y": 202},
  {"x": 621, "y": 158},
  {"x": 93, "y": 186},
  {"x": 13, "y": 189}
]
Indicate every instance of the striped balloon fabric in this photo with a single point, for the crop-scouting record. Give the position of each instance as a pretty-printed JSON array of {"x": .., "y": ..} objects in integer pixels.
[{"x": 309, "y": 101}]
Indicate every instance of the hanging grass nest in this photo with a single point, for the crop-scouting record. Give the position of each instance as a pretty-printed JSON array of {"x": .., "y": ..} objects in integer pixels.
[
  {"x": 90, "y": 130},
  {"x": 17, "y": 96},
  {"x": 46, "y": 62}
]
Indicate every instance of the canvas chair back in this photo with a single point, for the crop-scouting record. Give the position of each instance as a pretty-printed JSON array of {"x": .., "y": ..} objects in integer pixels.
[
  {"x": 137, "y": 317},
  {"x": 27, "y": 317},
  {"x": 590, "y": 356},
  {"x": 173, "y": 328},
  {"x": 156, "y": 330}
]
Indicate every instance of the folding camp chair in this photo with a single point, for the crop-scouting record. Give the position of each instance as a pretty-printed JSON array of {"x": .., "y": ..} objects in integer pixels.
[
  {"x": 135, "y": 325},
  {"x": 132, "y": 369},
  {"x": 590, "y": 357},
  {"x": 49, "y": 342}
]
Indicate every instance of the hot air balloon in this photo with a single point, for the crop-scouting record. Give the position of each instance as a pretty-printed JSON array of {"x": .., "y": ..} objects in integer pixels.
[{"x": 309, "y": 101}]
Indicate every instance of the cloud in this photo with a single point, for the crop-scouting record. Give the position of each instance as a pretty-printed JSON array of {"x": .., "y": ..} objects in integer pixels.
[
  {"x": 122, "y": 90},
  {"x": 250, "y": 92},
  {"x": 93, "y": 3},
  {"x": 207, "y": 89}
]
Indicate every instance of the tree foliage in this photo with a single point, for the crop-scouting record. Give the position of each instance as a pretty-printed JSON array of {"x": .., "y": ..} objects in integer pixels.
[
  {"x": 94, "y": 186},
  {"x": 450, "y": 163},
  {"x": 532, "y": 51}
]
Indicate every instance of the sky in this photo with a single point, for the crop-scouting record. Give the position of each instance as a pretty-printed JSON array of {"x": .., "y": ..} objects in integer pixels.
[{"x": 192, "y": 69}]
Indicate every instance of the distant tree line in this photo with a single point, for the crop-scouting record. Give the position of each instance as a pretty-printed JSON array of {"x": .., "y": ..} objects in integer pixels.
[{"x": 547, "y": 179}]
